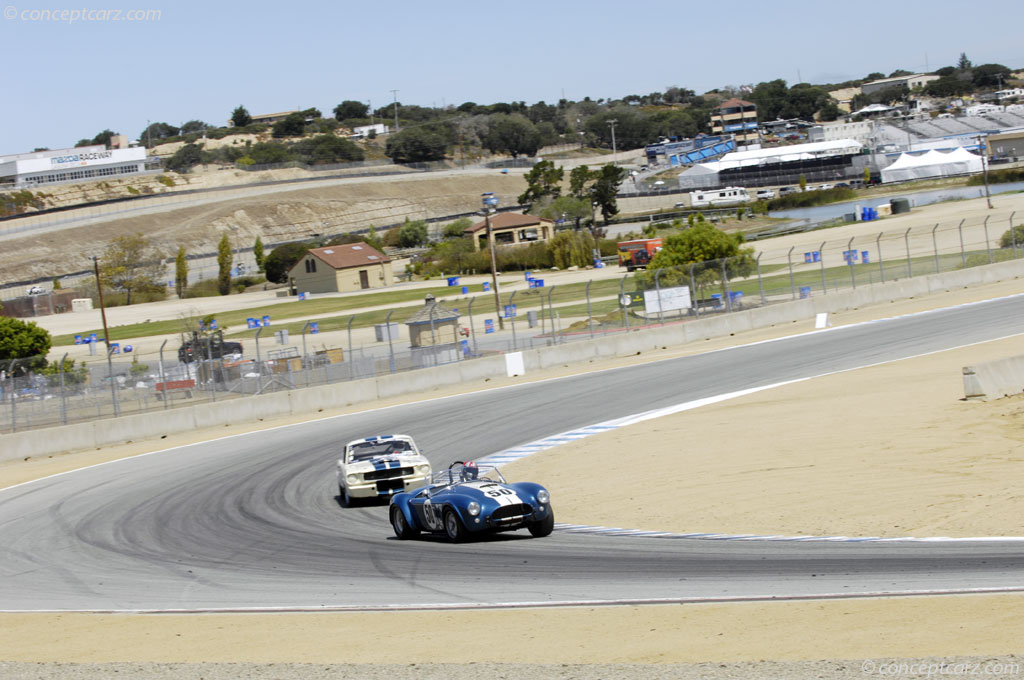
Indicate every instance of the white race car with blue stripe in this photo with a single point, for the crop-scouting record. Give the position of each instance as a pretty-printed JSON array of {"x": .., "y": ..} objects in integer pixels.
[{"x": 379, "y": 467}]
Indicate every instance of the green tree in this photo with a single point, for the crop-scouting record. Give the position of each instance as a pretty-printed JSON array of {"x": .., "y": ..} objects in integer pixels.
[
  {"x": 282, "y": 258},
  {"x": 240, "y": 117},
  {"x": 132, "y": 264},
  {"x": 224, "y": 266},
  {"x": 156, "y": 132},
  {"x": 101, "y": 138},
  {"x": 412, "y": 234},
  {"x": 73, "y": 376},
  {"x": 56, "y": 283},
  {"x": 185, "y": 158},
  {"x": 963, "y": 63},
  {"x": 293, "y": 125},
  {"x": 568, "y": 207},
  {"x": 867, "y": 175},
  {"x": 544, "y": 180},
  {"x": 633, "y": 128},
  {"x": 269, "y": 152},
  {"x": 606, "y": 188},
  {"x": 22, "y": 340},
  {"x": 180, "y": 272},
  {"x": 803, "y": 183},
  {"x": 704, "y": 247},
  {"x": 512, "y": 134},
  {"x": 1013, "y": 238},
  {"x": 258, "y": 255},
  {"x": 327, "y": 149},
  {"x": 571, "y": 248},
  {"x": 193, "y": 126},
  {"x": 581, "y": 179},
  {"x": 416, "y": 145},
  {"x": 455, "y": 254},
  {"x": 457, "y": 228},
  {"x": 351, "y": 109}
]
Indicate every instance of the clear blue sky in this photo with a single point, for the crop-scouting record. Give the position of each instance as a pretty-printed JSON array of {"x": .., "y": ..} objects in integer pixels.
[{"x": 63, "y": 81}]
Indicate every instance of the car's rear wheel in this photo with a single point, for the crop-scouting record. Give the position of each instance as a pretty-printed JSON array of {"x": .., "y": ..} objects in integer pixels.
[
  {"x": 400, "y": 525},
  {"x": 453, "y": 526},
  {"x": 544, "y": 527}
]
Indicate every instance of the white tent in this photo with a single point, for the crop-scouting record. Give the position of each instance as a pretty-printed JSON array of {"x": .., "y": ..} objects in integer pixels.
[{"x": 934, "y": 163}]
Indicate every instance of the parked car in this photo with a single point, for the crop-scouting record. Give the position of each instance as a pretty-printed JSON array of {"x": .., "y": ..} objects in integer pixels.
[
  {"x": 470, "y": 500},
  {"x": 765, "y": 194},
  {"x": 825, "y": 187},
  {"x": 786, "y": 191},
  {"x": 842, "y": 185},
  {"x": 219, "y": 349}
]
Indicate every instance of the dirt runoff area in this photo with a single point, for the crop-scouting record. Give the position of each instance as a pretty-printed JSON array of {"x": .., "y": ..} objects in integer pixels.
[{"x": 890, "y": 450}]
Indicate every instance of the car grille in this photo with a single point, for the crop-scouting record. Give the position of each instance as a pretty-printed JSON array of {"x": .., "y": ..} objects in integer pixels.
[
  {"x": 509, "y": 511},
  {"x": 387, "y": 474},
  {"x": 390, "y": 485}
]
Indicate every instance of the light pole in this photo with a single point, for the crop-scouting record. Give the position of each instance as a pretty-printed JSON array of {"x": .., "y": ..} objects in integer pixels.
[
  {"x": 394, "y": 93},
  {"x": 612, "y": 123},
  {"x": 490, "y": 204},
  {"x": 982, "y": 148}
]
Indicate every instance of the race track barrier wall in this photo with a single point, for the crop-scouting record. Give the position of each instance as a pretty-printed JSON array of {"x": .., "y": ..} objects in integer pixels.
[
  {"x": 994, "y": 379},
  {"x": 1003, "y": 377}
]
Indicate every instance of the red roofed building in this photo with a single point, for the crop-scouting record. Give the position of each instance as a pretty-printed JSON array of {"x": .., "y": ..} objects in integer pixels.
[
  {"x": 341, "y": 269},
  {"x": 738, "y": 118},
  {"x": 510, "y": 229}
]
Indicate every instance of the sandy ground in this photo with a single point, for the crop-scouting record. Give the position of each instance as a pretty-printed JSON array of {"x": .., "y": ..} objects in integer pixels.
[{"x": 888, "y": 450}]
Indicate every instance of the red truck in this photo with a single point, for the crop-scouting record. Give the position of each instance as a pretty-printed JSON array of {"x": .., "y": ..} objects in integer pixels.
[{"x": 637, "y": 254}]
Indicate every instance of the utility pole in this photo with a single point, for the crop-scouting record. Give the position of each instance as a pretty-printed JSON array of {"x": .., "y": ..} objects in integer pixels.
[
  {"x": 982, "y": 147},
  {"x": 394, "y": 93},
  {"x": 612, "y": 123},
  {"x": 490, "y": 204},
  {"x": 99, "y": 290}
]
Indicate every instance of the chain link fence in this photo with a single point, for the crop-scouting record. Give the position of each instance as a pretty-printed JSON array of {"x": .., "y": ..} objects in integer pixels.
[{"x": 528, "y": 314}]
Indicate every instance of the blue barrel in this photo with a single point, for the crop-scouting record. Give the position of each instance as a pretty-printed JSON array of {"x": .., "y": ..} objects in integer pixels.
[{"x": 805, "y": 292}]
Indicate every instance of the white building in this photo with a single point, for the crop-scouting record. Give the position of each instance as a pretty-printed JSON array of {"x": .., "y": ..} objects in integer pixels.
[
  {"x": 859, "y": 131},
  {"x": 70, "y": 165},
  {"x": 912, "y": 82},
  {"x": 982, "y": 109},
  {"x": 365, "y": 130}
]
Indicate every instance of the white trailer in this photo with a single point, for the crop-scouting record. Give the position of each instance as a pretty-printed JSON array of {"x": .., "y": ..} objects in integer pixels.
[{"x": 719, "y": 198}]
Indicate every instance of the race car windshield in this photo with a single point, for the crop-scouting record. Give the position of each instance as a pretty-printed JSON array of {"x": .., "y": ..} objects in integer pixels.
[
  {"x": 468, "y": 473},
  {"x": 368, "y": 450}
]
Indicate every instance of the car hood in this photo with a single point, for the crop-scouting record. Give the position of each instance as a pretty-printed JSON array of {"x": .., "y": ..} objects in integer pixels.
[{"x": 386, "y": 463}]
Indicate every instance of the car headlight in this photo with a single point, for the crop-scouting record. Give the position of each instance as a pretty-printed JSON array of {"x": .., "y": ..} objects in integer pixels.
[
  {"x": 423, "y": 470},
  {"x": 473, "y": 508},
  {"x": 543, "y": 496},
  {"x": 353, "y": 479}
]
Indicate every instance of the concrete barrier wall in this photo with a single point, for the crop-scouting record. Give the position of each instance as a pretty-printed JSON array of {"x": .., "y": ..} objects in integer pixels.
[
  {"x": 985, "y": 381},
  {"x": 994, "y": 379}
]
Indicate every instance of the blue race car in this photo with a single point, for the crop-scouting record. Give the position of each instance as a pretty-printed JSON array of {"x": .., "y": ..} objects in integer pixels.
[{"x": 467, "y": 500}]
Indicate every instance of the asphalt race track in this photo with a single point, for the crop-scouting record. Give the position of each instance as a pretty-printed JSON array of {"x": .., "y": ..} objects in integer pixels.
[{"x": 253, "y": 521}]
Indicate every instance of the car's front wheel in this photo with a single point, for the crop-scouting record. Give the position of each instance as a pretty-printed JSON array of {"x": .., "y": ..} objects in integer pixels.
[
  {"x": 400, "y": 525},
  {"x": 453, "y": 526},
  {"x": 346, "y": 498},
  {"x": 543, "y": 527}
]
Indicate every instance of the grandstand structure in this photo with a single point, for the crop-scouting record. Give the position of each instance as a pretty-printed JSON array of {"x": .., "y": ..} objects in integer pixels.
[{"x": 836, "y": 160}]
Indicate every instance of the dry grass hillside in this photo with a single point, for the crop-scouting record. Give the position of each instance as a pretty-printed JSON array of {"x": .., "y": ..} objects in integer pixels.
[{"x": 275, "y": 217}]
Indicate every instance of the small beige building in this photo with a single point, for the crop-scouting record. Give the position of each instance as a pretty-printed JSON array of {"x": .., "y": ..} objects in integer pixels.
[
  {"x": 511, "y": 229},
  {"x": 341, "y": 269}
]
